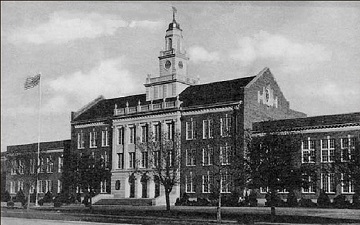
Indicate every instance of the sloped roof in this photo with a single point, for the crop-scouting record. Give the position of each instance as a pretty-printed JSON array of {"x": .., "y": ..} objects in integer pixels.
[
  {"x": 34, "y": 146},
  {"x": 338, "y": 120},
  {"x": 105, "y": 108},
  {"x": 223, "y": 91}
]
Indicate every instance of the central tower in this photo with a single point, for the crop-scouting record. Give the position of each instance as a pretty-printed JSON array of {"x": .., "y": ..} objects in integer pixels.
[{"x": 173, "y": 62}]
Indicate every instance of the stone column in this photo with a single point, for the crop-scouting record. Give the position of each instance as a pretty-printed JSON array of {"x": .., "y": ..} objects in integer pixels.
[
  {"x": 138, "y": 187},
  {"x": 127, "y": 187},
  {"x": 151, "y": 188}
]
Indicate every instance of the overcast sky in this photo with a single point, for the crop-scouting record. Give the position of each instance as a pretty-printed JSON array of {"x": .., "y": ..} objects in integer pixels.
[{"x": 87, "y": 49}]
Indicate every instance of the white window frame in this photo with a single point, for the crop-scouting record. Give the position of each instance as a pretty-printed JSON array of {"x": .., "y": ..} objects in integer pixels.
[
  {"x": 225, "y": 126},
  {"x": 132, "y": 160},
  {"x": 49, "y": 164},
  {"x": 208, "y": 156},
  {"x": 21, "y": 166},
  {"x": 309, "y": 150},
  {"x": 225, "y": 178},
  {"x": 93, "y": 137},
  {"x": 80, "y": 140},
  {"x": 330, "y": 151},
  {"x": 59, "y": 186},
  {"x": 120, "y": 160},
  {"x": 207, "y": 129},
  {"x": 132, "y": 134},
  {"x": 225, "y": 154},
  {"x": 105, "y": 138},
  {"x": 12, "y": 187},
  {"x": 60, "y": 164},
  {"x": 190, "y": 157},
  {"x": 20, "y": 185},
  {"x": 350, "y": 184},
  {"x": 350, "y": 148},
  {"x": 170, "y": 130},
  {"x": 189, "y": 127},
  {"x": 144, "y": 133},
  {"x": 206, "y": 183},
  {"x": 329, "y": 184},
  {"x": 144, "y": 159},
  {"x": 264, "y": 190},
  {"x": 189, "y": 183},
  {"x": 312, "y": 186}
]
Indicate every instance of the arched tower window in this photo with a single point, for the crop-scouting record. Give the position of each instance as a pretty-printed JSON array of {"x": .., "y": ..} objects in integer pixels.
[{"x": 170, "y": 44}]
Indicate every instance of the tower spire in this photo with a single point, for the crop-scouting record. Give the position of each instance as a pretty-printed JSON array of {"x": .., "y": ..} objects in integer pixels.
[{"x": 174, "y": 12}]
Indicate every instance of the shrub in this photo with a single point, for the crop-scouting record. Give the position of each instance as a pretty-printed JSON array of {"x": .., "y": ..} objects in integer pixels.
[
  {"x": 341, "y": 202},
  {"x": 291, "y": 199},
  {"x": 48, "y": 197},
  {"x": 203, "y": 202},
  {"x": 20, "y": 197},
  {"x": 323, "y": 200},
  {"x": 252, "y": 199},
  {"x": 58, "y": 200},
  {"x": 6, "y": 197},
  {"x": 274, "y": 200},
  {"x": 356, "y": 201},
  {"x": 10, "y": 204},
  {"x": 304, "y": 202}
]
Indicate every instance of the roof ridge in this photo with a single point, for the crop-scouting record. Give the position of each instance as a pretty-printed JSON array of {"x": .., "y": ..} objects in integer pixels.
[
  {"x": 216, "y": 82},
  {"x": 86, "y": 107}
]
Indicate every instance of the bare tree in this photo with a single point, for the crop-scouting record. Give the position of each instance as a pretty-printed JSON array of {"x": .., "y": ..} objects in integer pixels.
[{"x": 163, "y": 152}]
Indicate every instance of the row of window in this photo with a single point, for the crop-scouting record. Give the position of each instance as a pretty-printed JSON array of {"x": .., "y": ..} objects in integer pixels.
[
  {"x": 46, "y": 165},
  {"x": 207, "y": 183},
  {"x": 327, "y": 150},
  {"x": 144, "y": 133},
  {"x": 102, "y": 187},
  {"x": 208, "y": 128},
  {"x": 327, "y": 183},
  {"x": 143, "y": 161},
  {"x": 93, "y": 138},
  {"x": 44, "y": 186},
  {"x": 208, "y": 156}
]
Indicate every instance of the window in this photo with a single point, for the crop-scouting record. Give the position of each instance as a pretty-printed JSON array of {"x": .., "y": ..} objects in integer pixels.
[
  {"x": 42, "y": 165},
  {"x": 49, "y": 165},
  {"x": 174, "y": 89},
  {"x": 105, "y": 138},
  {"x": 190, "y": 130},
  {"x": 48, "y": 186},
  {"x": 327, "y": 150},
  {"x": 132, "y": 160},
  {"x": 21, "y": 166},
  {"x": 156, "y": 158},
  {"x": 207, "y": 129},
  {"x": 14, "y": 167},
  {"x": 117, "y": 185},
  {"x": 156, "y": 92},
  {"x": 32, "y": 166},
  {"x": 12, "y": 187},
  {"x": 106, "y": 159},
  {"x": 120, "y": 160},
  {"x": 121, "y": 136},
  {"x": 20, "y": 185},
  {"x": 308, "y": 151},
  {"x": 225, "y": 126},
  {"x": 32, "y": 188},
  {"x": 60, "y": 164},
  {"x": 225, "y": 153},
  {"x": 264, "y": 190},
  {"x": 132, "y": 135},
  {"x": 93, "y": 136},
  {"x": 144, "y": 133},
  {"x": 165, "y": 91},
  {"x": 190, "y": 157},
  {"x": 225, "y": 183},
  {"x": 144, "y": 159},
  {"x": 103, "y": 186},
  {"x": 59, "y": 186},
  {"x": 157, "y": 132},
  {"x": 328, "y": 182},
  {"x": 347, "y": 148},
  {"x": 206, "y": 180},
  {"x": 347, "y": 186},
  {"x": 208, "y": 156},
  {"x": 311, "y": 185},
  {"x": 80, "y": 140},
  {"x": 190, "y": 185},
  {"x": 170, "y": 131}
]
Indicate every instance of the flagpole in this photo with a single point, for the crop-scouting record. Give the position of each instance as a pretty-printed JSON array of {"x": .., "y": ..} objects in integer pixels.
[{"x": 38, "y": 148}]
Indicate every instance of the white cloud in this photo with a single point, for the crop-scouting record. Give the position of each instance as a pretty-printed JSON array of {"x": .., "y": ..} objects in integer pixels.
[
  {"x": 146, "y": 24},
  {"x": 63, "y": 27},
  {"x": 200, "y": 54},
  {"x": 109, "y": 79},
  {"x": 292, "y": 55}
]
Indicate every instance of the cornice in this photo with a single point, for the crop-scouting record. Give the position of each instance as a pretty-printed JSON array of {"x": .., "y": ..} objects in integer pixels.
[
  {"x": 90, "y": 125},
  {"x": 220, "y": 107},
  {"x": 147, "y": 116}
]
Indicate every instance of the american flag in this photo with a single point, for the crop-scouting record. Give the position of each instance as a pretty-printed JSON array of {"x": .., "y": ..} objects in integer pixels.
[{"x": 32, "y": 81}]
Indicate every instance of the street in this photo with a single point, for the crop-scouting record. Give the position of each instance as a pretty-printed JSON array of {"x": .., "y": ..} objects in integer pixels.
[{"x": 20, "y": 221}]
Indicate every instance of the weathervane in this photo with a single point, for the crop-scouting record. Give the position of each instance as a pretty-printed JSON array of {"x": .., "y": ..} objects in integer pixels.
[{"x": 174, "y": 11}]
